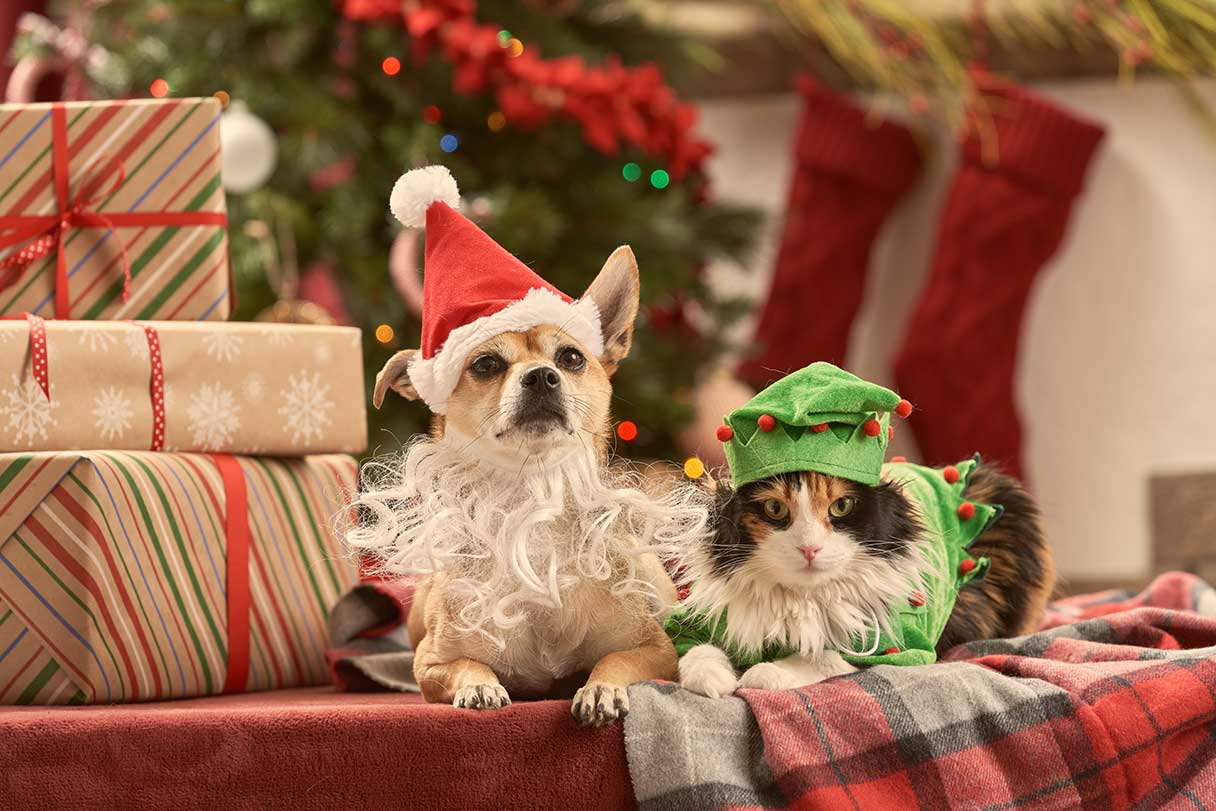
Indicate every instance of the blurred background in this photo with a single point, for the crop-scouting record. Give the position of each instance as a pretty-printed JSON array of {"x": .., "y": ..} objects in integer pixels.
[{"x": 1005, "y": 210}]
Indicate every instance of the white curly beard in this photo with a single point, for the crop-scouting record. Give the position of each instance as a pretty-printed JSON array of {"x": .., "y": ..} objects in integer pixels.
[{"x": 512, "y": 542}]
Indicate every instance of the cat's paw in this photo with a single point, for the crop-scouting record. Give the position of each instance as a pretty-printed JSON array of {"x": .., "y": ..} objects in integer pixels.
[
  {"x": 706, "y": 670},
  {"x": 769, "y": 676},
  {"x": 481, "y": 697}
]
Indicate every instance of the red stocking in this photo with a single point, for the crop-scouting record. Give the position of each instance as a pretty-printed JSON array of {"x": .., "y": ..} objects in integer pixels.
[
  {"x": 1002, "y": 221},
  {"x": 848, "y": 174}
]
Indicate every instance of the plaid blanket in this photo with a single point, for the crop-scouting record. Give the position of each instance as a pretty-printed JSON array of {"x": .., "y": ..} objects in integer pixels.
[{"x": 1112, "y": 705}]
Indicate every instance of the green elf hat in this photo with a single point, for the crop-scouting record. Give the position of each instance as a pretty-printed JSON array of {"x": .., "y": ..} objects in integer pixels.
[{"x": 820, "y": 418}]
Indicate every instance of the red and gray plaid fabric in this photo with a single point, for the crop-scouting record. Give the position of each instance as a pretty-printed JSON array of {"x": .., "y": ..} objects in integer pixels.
[{"x": 1112, "y": 706}]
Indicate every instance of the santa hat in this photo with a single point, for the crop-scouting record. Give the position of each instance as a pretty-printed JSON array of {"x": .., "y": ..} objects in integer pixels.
[{"x": 472, "y": 288}]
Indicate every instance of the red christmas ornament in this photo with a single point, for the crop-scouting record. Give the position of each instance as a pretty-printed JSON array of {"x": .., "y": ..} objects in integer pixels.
[
  {"x": 724, "y": 433},
  {"x": 967, "y": 566},
  {"x": 966, "y": 511},
  {"x": 916, "y": 600},
  {"x": 766, "y": 422},
  {"x": 899, "y": 460},
  {"x": 904, "y": 409},
  {"x": 872, "y": 428},
  {"x": 820, "y": 428},
  {"x": 890, "y": 651},
  {"x": 627, "y": 431},
  {"x": 950, "y": 474}
]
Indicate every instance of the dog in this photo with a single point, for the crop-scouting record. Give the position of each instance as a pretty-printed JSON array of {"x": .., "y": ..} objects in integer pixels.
[
  {"x": 542, "y": 560},
  {"x": 807, "y": 562}
]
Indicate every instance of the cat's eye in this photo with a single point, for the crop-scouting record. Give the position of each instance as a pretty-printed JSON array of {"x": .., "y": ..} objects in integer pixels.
[
  {"x": 776, "y": 510},
  {"x": 488, "y": 365},
  {"x": 842, "y": 507},
  {"x": 571, "y": 359}
]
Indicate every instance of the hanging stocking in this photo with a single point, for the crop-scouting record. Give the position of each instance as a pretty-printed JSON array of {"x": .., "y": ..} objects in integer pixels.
[
  {"x": 1005, "y": 216},
  {"x": 848, "y": 174}
]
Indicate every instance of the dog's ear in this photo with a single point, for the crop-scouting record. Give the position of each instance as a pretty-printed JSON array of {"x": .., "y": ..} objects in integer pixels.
[
  {"x": 615, "y": 293},
  {"x": 396, "y": 376}
]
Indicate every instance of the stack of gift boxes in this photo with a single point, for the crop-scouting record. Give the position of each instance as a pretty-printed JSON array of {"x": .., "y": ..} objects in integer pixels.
[{"x": 169, "y": 483}]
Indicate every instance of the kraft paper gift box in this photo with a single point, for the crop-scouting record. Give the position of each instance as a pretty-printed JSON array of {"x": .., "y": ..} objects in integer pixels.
[
  {"x": 139, "y": 576},
  {"x": 247, "y": 388},
  {"x": 113, "y": 210}
]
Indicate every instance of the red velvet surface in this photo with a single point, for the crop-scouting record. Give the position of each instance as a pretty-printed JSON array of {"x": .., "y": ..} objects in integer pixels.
[{"x": 308, "y": 749}]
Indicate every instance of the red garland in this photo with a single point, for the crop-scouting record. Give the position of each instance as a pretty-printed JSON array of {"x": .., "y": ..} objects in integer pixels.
[{"x": 611, "y": 103}]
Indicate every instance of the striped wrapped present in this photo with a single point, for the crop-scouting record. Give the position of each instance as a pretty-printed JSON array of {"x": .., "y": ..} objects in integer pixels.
[
  {"x": 138, "y": 576},
  {"x": 113, "y": 210}
]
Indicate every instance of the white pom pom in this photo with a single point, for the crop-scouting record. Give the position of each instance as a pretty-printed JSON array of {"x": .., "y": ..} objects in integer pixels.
[{"x": 415, "y": 190}]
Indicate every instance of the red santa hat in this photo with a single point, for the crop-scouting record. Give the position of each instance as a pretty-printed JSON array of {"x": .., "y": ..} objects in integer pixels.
[{"x": 472, "y": 288}]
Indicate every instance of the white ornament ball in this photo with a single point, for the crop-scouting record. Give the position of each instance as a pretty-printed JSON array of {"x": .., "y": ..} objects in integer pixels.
[{"x": 249, "y": 149}]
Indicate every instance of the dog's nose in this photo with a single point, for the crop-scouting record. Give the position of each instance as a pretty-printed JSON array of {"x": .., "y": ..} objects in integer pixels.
[
  {"x": 540, "y": 377},
  {"x": 809, "y": 552}
]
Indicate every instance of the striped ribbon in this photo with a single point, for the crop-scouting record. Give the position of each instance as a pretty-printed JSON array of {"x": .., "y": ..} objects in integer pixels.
[{"x": 47, "y": 231}]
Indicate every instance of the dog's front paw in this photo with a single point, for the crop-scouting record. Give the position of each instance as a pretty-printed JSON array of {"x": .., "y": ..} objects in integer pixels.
[
  {"x": 707, "y": 671},
  {"x": 769, "y": 676},
  {"x": 481, "y": 697},
  {"x": 599, "y": 703}
]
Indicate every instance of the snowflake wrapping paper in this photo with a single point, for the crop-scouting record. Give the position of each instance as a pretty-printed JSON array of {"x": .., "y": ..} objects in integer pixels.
[
  {"x": 140, "y": 192},
  {"x": 139, "y": 576},
  {"x": 247, "y": 388}
]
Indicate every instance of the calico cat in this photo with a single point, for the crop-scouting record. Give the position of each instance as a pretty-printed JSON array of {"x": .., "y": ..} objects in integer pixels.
[{"x": 808, "y": 575}]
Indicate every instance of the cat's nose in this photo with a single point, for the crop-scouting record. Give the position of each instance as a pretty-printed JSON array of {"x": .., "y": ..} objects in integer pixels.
[{"x": 809, "y": 552}]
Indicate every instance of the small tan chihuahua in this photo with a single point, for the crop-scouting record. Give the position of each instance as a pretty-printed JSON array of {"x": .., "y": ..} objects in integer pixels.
[{"x": 542, "y": 559}]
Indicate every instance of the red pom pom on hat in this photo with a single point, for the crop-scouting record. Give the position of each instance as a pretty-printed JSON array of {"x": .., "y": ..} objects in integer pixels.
[
  {"x": 872, "y": 428},
  {"x": 966, "y": 511},
  {"x": 950, "y": 474},
  {"x": 766, "y": 422},
  {"x": 967, "y": 566},
  {"x": 899, "y": 459},
  {"x": 724, "y": 433},
  {"x": 820, "y": 428},
  {"x": 890, "y": 651},
  {"x": 904, "y": 409}
]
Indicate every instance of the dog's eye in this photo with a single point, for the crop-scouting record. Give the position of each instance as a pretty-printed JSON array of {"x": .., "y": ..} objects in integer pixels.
[
  {"x": 488, "y": 366},
  {"x": 571, "y": 359},
  {"x": 776, "y": 510},
  {"x": 842, "y": 507}
]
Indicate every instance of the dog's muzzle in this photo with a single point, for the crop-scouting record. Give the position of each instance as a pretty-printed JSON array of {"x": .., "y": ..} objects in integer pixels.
[{"x": 541, "y": 399}]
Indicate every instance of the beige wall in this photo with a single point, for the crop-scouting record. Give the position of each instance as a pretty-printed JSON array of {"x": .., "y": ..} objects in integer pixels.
[{"x": 1118, "y": 364}]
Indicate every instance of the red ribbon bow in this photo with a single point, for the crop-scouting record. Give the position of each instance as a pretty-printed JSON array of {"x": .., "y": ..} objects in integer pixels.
[{"x": 47, "y": 231}]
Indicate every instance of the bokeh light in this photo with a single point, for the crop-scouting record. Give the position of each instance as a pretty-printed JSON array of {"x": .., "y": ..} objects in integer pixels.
[
  {"x": 514, "y": 47},
  {"x": 449, "y": 143},
  {"x": 432, "y": 114},
  {"x": 631, "y": 171},
  {"x": 391, "y": 66},
  {"x": 659, "y": 178},
  {"x": 496, "y": 121},
  {"x": 159, "y": 88},
  {"x": 694, "y": 468},
  {"x": 223, "y": 97},
  {"x": 627, "y": 431},
  {"x": 384, "y": 333}
]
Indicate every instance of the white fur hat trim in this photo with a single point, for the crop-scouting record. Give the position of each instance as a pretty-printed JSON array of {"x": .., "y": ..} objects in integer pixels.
[{"x": 436, "y": 378}]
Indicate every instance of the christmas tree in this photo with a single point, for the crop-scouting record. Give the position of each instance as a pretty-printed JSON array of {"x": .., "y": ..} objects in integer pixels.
[{"x": 554, "y": 117}]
